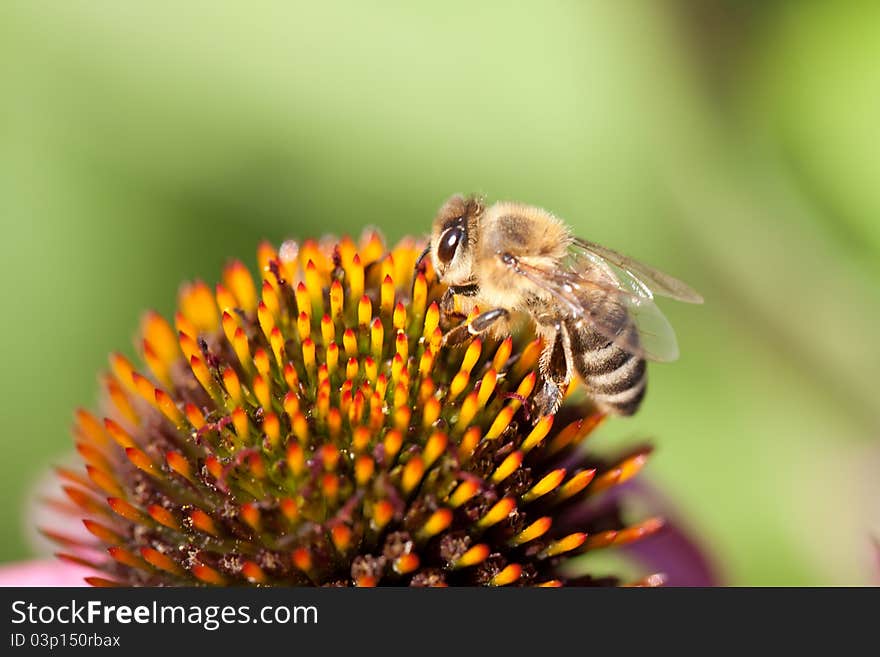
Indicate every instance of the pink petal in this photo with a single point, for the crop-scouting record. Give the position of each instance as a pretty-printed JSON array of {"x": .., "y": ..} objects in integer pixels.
[{"x": 44, "y": 572}]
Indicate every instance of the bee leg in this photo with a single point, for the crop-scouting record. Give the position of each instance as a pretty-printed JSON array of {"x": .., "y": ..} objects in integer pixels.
[
  {"x": 480, "y": 324},
  {"x": 555, "y": 368}
]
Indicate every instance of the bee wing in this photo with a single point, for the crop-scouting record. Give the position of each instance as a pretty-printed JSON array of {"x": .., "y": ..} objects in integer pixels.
[
  {"x": 620, "y": 311},
  {"x": 634, "y": 274}
]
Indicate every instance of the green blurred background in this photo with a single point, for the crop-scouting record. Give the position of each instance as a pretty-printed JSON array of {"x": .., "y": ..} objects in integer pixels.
[{"x": 733, "y": 143}]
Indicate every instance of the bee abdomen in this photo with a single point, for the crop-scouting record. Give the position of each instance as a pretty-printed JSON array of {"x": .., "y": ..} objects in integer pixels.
[{"x": 615, "y": 378}]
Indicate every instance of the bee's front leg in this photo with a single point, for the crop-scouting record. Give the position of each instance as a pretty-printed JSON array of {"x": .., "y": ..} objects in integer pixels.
[
  {"x": 449, "y": 316},
  {"x": 556, "y": 369},
  {"x": 481, "y": 323}
]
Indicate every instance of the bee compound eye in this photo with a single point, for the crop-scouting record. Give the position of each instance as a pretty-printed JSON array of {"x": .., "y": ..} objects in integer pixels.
[{"x": 448, "y": 244}]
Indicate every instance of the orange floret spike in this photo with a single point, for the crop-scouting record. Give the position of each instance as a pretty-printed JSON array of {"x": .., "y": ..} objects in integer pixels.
[
  {"x": 430, "y": 412},
  {"x": 272, "y": 429},
  {"x": 238, "y": 279},
  {"x": 436, "y": 523},
  {"x": 535, "y": 530},
  {"x": 377, "y": 337},
  {"x": 401, "y": 346},
  {"x": 472, "y": 355},
  {"x": 276, "y": 341},
  {"x": 502, "y": 354},
  {"x": 406, "y": 563},
  {"x": 538, "y": 433},
  {"x": 102, "y": 533},
  {"x": 203, "y": 522},
  {"x": 188, "y": 346},
  {"x": 270, "y": 299},
  {"x": 303, "y": 301},
  {"x": 412, "y": 474},
  {"x": 392, "y": 443},
  {"x": 398, "y": 320},
  {"x": 349, "y": 342},
  {"x": 372, "y": 246},
  {"x": 464, "y": 492},
  {"x": 126, "y": 558},
  {"x": 387, "y": 296},
  {"x": 302, "y": 559},
  {"x": 253, "y": 573},
  {"x": 179, "y": 464},
  {"x": 419, "y": 295},
  {"x": 168, "y": 407},
  {"x": 308, "y": 356},
  {"x": 261, "y": 361},
  {"x": 469, "y": 408},
  {"x": 225, "y": 300},
  {"x": 502, "y": 421},
  {"x": 567, "y": 436},
  {"x": 296, "y": 458},
  {"x": 364, "y": 468},
  {"x": 267, "y": 320},
  {"x": 142, "y": 461},
  {"x": 371, "y": 369},
  {"x": 233, "y": 386},
  {"x": 242, "y": 349},
  {"x": 300, "y": 427},
  {"x": 314, "y": 285},
  {"x": 144, "y": 388},
  {"x": 289, "y": 509},
  {"x": 622, "y": 472},
  {"x": 262, "y": 391},
  {"x": 126, "y": 510},
  {"x": 90, "y": 428},
  {"x": 365, "y": 311},
  {"x": 356, "y": 278},
  {"x": 528, "y": 359},
  {"x": 304, "y": 326},
  {"x": 459, "y": 383},
  {"x": 547, "y": 483},
  {"x": 487, "y": 387},
  {"x": 291, "y": 378},
  {"x": 229, "y": 324},
  {"x": 337, "y": 299},
  {"x": 563, "y": 545},
  {"x": 161, "y": 561},
  {"x": 159, "y": 333},
  {"x": 576, "y": 484},
  {"x": 208, "y": 575},
  {"x": 468, "y": 443},
  {"x": 475, "y": 555},
  {"x": 341, "y": 536},
  {"x": 497, "y": 513},
  {"x": 197, "y": 303},
  {"x": 266, "y": 253},
  {"x": 508, "y": 575},
  {"x": 240, "y": 423},
  {"x": 120, "y": 400},
  {"x": 200, "y": 370},
  {"x": 383, "y": 511},
  {"x": 194, "y": 416},
  {"x": 163, "y": 516},
  {"x": 507, "y": 467},
  {"x": 328, "y": 330},
  {"x": 435, "y": 447},
  {"x": 432, "y": 320}
]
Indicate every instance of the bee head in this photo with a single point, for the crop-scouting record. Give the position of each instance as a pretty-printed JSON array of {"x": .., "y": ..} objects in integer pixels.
[{"x": 453, "y": 236}]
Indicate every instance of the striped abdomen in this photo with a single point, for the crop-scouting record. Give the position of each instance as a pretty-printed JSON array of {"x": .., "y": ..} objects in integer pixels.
[{"x": 615, "y": 379}]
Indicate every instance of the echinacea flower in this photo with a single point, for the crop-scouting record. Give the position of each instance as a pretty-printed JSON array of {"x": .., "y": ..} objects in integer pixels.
[{"x": 314, "y": 430}]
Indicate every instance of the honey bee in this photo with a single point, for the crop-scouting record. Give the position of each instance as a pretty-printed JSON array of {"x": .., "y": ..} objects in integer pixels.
[{"x": 592, "y": 306}]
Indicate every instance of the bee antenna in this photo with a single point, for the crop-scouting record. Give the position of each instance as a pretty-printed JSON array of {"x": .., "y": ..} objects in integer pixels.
[{"x": 419, "y": 267}]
